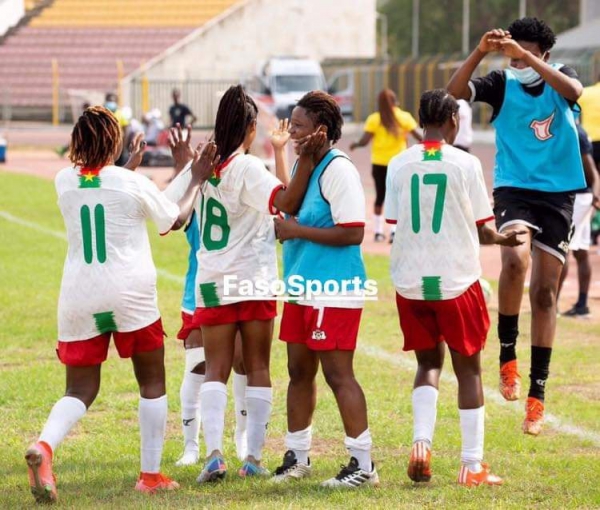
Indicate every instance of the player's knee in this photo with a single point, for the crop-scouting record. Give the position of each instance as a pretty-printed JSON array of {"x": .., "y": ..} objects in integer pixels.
[
  {"x": 543, "y": 297},
  {"x": 338, "y": 380},
  {"x": 300, "y": 374},
  {"x": 153, "y": 389},
  {"x": 515, "y": 267},
  {"x": 87, "y": 394}
]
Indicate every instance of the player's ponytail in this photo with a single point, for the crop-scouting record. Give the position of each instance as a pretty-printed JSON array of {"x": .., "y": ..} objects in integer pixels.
[
  {"x": 96, "y": 138},
  {"x": 436, "y": 107},
  {"x": 237, "y": 110}
]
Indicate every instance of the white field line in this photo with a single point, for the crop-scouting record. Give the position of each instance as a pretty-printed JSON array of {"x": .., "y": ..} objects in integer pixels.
[
  {"x": 375, "y": 352},
  {"x": 558, "y": 424},
  {"x": 163, "y": 273}
]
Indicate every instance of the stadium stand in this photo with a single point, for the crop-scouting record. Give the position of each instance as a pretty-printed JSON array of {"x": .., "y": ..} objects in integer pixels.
[{"x": 87, "y": 38}]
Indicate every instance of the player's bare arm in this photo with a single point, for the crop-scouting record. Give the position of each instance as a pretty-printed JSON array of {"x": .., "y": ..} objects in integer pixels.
[
  {"x": 569, "y": 88},
  {"x": 290, "y": 199},
  {"x": 488, "y": 235},
  {"x": 458, "y": 85},
  {"x": 202, "y": 169},
  {"x": 332, "y": 236}
]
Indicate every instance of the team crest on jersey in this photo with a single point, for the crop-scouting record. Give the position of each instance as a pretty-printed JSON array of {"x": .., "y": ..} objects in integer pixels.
[{"x": 541, "y": 128}]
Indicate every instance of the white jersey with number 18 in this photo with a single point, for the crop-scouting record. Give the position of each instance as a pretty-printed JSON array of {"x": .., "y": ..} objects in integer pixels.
[
  {"x": 109, "y": 278},
  {"x": 436, "y": 195},
  {"x": 237, "y": 231}
]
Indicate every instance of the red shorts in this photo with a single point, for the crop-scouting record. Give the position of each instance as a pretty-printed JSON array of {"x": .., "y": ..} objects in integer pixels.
[
  {"x": 321, "y": 329},
  {"x": 85, "y": 353},
  {"x": 462, "y": 322},
  {"x": 233, "y": 313},
  {"x": 187, "y": 324}
]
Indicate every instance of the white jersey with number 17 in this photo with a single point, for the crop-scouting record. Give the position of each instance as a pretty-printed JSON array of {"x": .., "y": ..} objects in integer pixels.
[
  {"x": 109, "y": 278},
  {"x": 436, "y": 195}
]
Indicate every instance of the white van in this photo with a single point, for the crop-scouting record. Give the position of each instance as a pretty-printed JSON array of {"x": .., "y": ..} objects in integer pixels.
[{"x": 282, "y": 81}]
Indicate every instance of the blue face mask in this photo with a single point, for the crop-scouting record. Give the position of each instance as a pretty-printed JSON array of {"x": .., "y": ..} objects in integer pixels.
[{"x": 111, "y": 105}]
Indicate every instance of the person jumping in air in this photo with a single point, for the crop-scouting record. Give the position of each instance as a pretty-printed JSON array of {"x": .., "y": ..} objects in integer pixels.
[
  {"x": 436, "y": 197},
  {"x": 538, "y": 169}
]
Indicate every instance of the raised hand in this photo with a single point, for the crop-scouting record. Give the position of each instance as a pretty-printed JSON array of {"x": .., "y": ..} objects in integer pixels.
[
  {"x": 181, "y": 147},
  {"x": 490, "y": 40},
  {"x": 136, "y": 152},
  {"x": 511, "y": 49},
  {"x": 205, "y": 162},
  {"x": 280, "y": 136}
]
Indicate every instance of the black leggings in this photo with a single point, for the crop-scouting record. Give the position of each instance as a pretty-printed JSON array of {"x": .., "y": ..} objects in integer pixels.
[{"x": 379, "y": 174}]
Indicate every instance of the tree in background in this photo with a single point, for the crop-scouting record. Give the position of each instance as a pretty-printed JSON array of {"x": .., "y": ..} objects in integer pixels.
[{"x": 441, "y": 21}]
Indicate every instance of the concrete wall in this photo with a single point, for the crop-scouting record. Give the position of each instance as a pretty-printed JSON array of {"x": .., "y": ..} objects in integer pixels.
[
  {"x": 234, "y": 43},
  {"x": 11, "y": 11}
]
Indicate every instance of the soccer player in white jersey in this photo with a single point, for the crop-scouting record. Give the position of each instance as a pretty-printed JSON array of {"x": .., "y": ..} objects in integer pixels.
[
  {"x": 109, "y": 288},
  {"x": 195, "y": 367},
  {"x": 438, "y": 200},
  {"x": 238, "y": 244}
]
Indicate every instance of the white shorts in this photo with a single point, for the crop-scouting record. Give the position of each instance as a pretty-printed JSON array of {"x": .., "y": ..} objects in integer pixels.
[{"x": 582, "y": 218}]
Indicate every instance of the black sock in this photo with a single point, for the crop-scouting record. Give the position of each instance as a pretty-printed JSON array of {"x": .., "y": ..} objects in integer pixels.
[
  {"x": 582, "y": 301},
  {"x": 540, "y": 365},
  {"x": 508, "y": 331}
]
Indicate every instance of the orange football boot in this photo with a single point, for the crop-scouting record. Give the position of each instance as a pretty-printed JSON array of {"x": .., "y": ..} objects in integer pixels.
[{"x": 39, "y": 467}]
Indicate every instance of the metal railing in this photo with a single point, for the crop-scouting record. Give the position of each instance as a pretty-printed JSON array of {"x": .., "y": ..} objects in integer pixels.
[{"x": 364, "y": 79}]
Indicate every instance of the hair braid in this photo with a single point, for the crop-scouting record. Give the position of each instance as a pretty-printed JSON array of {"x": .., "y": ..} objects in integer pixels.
[
  {"x": 436, "y": 107},
  {"x": 95, "y": 139},
  {"x": 237, "y": 110}
]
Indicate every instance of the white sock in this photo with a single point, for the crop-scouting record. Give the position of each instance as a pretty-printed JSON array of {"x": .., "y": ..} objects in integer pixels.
[
  {"x": 424, "y": 403},
  {"x": 299, "y": 442},
  {"x": 360, "y": 449},
  {"x": 259, "y": 403},
  {"x": 472, "y": 431},
  {"x": 152, "y": 416},
  {"x": 65, "y": 413},
  {"x": 393, "y": 229},
  {"x": 239, "y": 395},
  {"x": 213, "y": 402},
  {"x": 190, "y": 409},
  {"x": 379, "y": 223}
]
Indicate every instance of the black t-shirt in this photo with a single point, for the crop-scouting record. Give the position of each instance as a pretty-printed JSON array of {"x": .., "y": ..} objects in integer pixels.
[
  {"x": 178, "y": 113},
  {"x": 490, "y": 88},
  {"x": 585, "y": 146}
]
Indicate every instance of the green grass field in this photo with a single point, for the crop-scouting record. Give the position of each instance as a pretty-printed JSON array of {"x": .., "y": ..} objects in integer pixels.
[{"x": 98, "y": 463}]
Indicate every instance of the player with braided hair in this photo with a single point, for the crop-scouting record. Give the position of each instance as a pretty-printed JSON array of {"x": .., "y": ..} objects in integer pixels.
[
  {"x": 438, "y": 200},
  {"x": 109, "y": 288},
  {"x": 238, "y": 244}
]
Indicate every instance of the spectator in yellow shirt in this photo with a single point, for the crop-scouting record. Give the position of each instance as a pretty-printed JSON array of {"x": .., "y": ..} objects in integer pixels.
[
  {"x": 388, "y": 129},
  {"x": 590, "y": 116}
]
